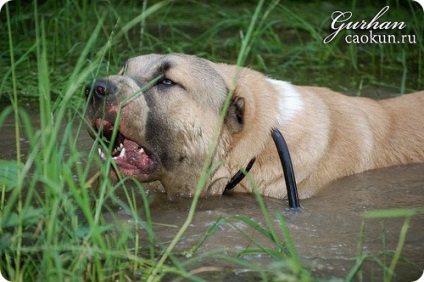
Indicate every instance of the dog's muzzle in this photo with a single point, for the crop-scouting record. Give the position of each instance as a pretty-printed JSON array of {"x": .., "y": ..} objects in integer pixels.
[{"x": 130, "y": 157}]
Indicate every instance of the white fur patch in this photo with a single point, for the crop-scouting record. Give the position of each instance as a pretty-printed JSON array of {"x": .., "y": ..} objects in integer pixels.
[{"x": 290, "y": 102}]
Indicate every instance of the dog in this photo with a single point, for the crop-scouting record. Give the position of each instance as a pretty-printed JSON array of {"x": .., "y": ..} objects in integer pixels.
[{"x": 166, "y": 111}]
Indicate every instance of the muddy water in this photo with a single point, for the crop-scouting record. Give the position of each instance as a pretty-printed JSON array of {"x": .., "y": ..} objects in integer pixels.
[{"x": 326, "y": 231}]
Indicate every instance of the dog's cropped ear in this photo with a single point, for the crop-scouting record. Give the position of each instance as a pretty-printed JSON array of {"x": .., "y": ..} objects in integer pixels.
[{"x": 235, "y": 114}]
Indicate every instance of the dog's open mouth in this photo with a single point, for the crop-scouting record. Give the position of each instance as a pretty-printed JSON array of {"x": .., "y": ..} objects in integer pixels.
[{"x": 130, "y": 157}]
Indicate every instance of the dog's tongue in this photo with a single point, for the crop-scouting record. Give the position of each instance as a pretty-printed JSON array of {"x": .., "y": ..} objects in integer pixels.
[
  {"x": 132, "y": 156},
  {"x": 129, "y": 155},
  {"x": 136, "y": 156}
]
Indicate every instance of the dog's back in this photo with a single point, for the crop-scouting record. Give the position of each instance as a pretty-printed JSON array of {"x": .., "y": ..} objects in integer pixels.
[{"x": 403, "y": 142}]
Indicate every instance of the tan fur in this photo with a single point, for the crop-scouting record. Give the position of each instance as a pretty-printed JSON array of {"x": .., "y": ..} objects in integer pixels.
[
  {"x": 330, "y": 136},
  {"x": 334, "y": 136}
]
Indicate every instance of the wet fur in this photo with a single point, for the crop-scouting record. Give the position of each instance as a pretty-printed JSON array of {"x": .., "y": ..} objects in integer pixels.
[{"x": 329, "y": 135}]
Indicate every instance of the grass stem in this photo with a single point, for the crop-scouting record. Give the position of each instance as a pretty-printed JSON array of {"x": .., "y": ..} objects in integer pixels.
[
  {"x": 206, "y": 168},
  {"x": 18, "y": 146}
]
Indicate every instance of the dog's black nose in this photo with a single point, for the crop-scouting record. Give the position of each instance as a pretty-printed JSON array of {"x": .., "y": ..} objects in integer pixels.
[{"x": 99, "y": 89}]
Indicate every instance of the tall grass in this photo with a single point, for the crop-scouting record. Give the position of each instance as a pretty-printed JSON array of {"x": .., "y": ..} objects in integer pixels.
[
  {"x": 207, "y": 169},
  {"x": 53, "y": 224},
  {"x": 388, "y": 270}
]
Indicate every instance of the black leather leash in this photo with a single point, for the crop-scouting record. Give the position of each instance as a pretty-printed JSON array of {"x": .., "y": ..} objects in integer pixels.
[
  {"x": 238, "y": 176},
  {"x": 283, "y": 153}
]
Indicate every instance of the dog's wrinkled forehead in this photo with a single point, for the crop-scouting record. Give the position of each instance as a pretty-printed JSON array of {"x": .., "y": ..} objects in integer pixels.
[
  {"x": 194, "y": 74},
  {"x": 145, "y": 65},
  {"x": 149, "y": 66}
]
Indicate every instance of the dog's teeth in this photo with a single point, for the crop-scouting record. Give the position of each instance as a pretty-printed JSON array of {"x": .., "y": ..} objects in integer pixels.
[
  {"x": 141, "y": 150},
  {"x": 121, "y": 146},
  {"x": 122, "y": 153},
  {"x": 101, "y": 154}
]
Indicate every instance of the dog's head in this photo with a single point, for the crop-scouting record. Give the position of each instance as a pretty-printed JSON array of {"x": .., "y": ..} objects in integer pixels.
[{"x": 161, "y": 112}]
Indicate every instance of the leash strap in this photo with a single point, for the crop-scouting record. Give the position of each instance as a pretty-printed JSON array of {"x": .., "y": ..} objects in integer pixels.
[
  {"x": 286, "y": 163},
  {"x": 283, "y": 152},
  {"x": 238, "y": 176}
]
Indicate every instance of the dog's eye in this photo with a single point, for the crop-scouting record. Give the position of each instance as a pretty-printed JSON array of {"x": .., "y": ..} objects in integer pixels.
[{"x": 166, "y": 82}]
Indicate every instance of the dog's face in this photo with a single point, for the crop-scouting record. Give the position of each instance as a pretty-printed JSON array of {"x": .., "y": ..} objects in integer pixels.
[{"x": 161, "y": 112}]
